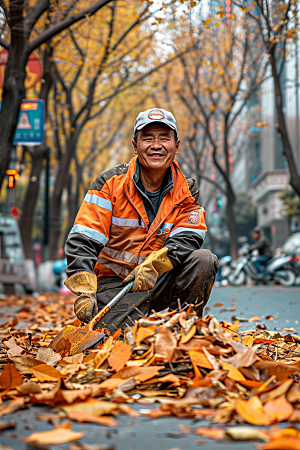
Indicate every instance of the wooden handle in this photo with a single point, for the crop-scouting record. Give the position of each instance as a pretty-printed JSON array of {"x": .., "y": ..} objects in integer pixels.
[{"x": 90, "y": 326}]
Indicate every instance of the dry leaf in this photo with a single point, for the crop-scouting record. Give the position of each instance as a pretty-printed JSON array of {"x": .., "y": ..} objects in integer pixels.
[
  {"x": 53, "y": 437},
  {"x": 218, "y": 304},
  {"x": 233, "y": 373},
  {"x": 278, "y": 410},
  {"x": 92, "y": 407},
  {"x": 211, "y": 433},
  {"x": 252, "y": 411},
  {"x": 24, "y": 363},
  {"x": 48, "y": 356},
  {"x": 10, "y": 377},
  {"x": 43, "y": 372},
  {"x": 254, "y": 318},
  {"x": 14, "y": 349},
  {"x": 119, "y": 356},
  {"x": 81, "y": 416}
]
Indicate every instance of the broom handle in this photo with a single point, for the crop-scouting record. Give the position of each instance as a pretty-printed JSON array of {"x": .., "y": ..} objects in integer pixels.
[{"x": 90, "y": 326}]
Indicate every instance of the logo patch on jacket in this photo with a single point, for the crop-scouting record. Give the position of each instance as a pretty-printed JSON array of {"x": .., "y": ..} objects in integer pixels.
[{"x": 193, "y": 217}]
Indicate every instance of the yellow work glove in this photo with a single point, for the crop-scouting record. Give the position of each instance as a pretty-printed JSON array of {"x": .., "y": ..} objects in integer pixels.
[
  {"x": 145, "y": 274},
  {"x": 84, "y": 284}
]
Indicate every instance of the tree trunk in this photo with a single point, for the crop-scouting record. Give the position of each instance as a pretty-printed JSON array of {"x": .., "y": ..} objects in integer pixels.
[
  {"x": 55, "y": 207},
  {"x": 13, "y": 94},
  {"x": 72, "y": 205},
  {"x": 38, "y": 155},
  {"x": 282, "y": 128},
  {"x": 26, "y": 221}
]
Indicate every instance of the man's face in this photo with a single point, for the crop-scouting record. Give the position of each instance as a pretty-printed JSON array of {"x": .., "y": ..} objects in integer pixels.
[
  {"x": 156, "y": 147},
  {"x": 255, "y": 236}
]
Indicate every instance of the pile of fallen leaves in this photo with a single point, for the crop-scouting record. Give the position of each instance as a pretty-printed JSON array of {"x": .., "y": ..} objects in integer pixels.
[{"x": 194, "y": 368}]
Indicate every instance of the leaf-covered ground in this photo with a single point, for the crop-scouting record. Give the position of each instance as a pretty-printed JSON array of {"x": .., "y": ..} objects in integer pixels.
[{"x": 217, "y": 378}]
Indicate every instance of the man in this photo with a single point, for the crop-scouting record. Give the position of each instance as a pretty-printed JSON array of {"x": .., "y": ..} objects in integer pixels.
[
  {"x": 263, "y": 246},
  {"x": 141, "y": 221}
]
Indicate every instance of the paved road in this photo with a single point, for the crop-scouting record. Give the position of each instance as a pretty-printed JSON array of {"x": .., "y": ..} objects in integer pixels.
[{"x": 163, "y": 434}]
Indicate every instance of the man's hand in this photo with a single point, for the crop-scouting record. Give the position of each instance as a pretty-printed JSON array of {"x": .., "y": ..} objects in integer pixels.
[
  {"x": 85, "y": 307},
  {"x": 145, "y": 274},
  {"x": 84, "y": 284}
]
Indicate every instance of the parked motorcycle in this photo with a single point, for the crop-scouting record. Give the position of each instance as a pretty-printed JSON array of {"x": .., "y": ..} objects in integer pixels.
[
  {"x": 292, "y": 247},
  {"x": 277, "y": 269}
]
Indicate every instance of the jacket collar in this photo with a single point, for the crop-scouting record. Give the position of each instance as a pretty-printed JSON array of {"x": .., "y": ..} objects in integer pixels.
[{"x": 178, "y": 193}]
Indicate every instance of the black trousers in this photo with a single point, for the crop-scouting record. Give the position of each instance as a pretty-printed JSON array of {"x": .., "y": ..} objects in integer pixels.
[{"x": 191, "y": 283}]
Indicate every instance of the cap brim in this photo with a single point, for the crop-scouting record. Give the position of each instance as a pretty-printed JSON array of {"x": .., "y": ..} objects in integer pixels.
[{"x": 149, "y": 123}]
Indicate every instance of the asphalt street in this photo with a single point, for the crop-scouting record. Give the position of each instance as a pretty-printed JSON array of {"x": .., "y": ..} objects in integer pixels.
[{"x": 277, "y": 307}]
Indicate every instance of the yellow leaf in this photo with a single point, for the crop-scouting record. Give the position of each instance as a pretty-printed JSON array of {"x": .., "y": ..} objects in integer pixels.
[
  {"x": 233, "y": 373},
  {"x": 247, "y": 340},
  {"x": 252, "y": 411},
  {"x": 43, "y": 372},
  {"x": 217, "y": 24},
  {"x": 230, "y": 64},
  {"x": 212, "y": 108}
]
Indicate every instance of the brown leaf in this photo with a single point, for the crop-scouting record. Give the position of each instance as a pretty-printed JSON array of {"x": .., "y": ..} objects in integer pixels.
[
  {"x": 218, "y": 304},
  {"x": 165, "y": 344},
  {"x": 14, "y": 349},
  {"x": 29, "y": 388},
  {"x": 6, "y": 425},
  {"x": 63, "y": 347},
  {"x": 24, "y": 363},
  {"x": 53, "y": 437},
  {"x": 119, "y": 356},
  {"x": 48, "y": 356},
  {"x": 81, "y": 416},
  {"x": 244, "y": 358},
  {"x": 10, "y": 377}
]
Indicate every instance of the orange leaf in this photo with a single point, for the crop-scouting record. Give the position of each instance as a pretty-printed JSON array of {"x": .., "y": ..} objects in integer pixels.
[
  {"x": 253, "y": 318},
  {"x": 10, "y": 377},
  {"x": 144, "y": 332},
  {"x": 252, "y": 411},
  {"x": 233, "y": 373},
  {"x": 211, "y": 433},
  {"x": 218, "y": 304},
  {"x": 199, "y": 359},
  {"x": 119, "y": 356},
  {"x": 43, "y": 372},
  {"x": 278, "y": 410},
  {"x": 81, "y": 416},
  {"x": 52, "y": 437},
  {"x": 116, "y": 334},
  {"x": 186, "y": 337}
]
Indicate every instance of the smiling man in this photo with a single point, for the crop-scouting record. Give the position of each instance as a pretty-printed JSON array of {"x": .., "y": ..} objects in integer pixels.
[{"x": 141, "y": 221}]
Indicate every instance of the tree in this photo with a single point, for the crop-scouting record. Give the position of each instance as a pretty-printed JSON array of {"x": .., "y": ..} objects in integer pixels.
[
  {"x": 276, "y": 26},
  {"x": 245, "y": 213},
  {"x": 27, "y": 26},
  {"x": 291, "y": 204},
  {"x": 219, "y": 76}
]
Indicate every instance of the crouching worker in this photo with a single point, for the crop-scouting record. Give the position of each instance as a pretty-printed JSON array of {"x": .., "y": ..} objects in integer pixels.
[{"x": 141, "y": 221}]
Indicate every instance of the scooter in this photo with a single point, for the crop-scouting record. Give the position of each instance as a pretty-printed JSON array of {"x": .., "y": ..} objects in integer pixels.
[{"x": 277, "y": 269}]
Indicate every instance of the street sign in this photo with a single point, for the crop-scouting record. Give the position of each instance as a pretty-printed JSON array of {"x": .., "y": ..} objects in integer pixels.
[
  {"x": 34, "y": 69},
  {"x": 31, "y": 123},
  {"x": 30, "y": 128}
]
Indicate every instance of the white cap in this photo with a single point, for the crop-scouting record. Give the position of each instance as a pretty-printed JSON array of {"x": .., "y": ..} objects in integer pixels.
[{"x": 155, "y": 115}]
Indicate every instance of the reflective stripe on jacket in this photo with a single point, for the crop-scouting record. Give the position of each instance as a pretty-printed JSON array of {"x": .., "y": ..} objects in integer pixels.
[{"x": 111, "y": 233}]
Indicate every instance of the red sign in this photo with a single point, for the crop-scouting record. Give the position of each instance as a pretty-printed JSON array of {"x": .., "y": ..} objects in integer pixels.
[{"x": 34, "y": 69}]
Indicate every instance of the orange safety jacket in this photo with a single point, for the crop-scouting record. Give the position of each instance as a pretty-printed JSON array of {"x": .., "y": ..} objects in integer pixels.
[{"x": 111, "y": 233}]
